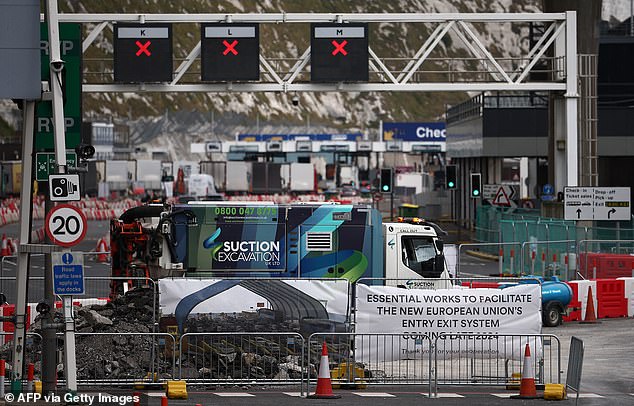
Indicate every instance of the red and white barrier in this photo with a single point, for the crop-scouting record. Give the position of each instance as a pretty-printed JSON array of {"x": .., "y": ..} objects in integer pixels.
[{"x": 629, "y": 295}]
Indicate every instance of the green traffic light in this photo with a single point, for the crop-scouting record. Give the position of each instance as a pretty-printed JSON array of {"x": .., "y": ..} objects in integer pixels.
[
  {"x": 451, "y": 184},
  {"x": 476, "y": 192},
  {"x": 386, "y": 188}
]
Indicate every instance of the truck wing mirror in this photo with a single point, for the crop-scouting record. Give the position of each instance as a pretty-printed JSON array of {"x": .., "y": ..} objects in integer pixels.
[
  {"x": 440, "y": 245},
  {"x": 439, "y": 265}
]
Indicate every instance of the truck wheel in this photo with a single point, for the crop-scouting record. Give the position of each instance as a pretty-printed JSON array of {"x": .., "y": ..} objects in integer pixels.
[{"x": 551, "y": 316}]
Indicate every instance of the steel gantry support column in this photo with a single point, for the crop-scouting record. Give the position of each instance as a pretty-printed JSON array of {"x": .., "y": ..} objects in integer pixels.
[
  {"x": 22, "y": 276},
  {"x": 572, "y": 102}
]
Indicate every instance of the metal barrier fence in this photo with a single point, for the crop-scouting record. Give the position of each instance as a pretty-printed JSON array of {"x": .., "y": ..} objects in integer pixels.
[
  {"x": 481, "y": 359},
  {"x": 509, "y": 259},
  {"x": 596, "y": 246},
  {"x": 374, "y": 359},
  {"x": 32, "y": 348},
  {"x": 562, "y": 260},
  {"x": 111, "y": 359},
  {"x": 243, "y": 358},
  {"x": 575, "y": 364}
]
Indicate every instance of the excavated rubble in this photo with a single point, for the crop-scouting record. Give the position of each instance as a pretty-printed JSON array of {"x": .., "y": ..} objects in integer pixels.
[{"x": 126, "y": 352}]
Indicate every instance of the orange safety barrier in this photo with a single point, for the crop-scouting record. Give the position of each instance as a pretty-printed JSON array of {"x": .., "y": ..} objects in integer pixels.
[
  {"x": 609, "y": 266},
  {"x": 574, "y": 307},
  {"x": 480, "y": 285},
  {"x": 611, "y": 298}
]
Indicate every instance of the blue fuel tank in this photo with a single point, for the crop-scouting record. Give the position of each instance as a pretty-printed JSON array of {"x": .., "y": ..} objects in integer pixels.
[
  {"x": 552, "y": 289},
  {"x": 555, "y": 290}
]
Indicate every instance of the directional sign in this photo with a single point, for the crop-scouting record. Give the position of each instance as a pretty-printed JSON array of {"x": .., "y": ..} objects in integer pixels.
[
  {"x": 66, "y": 225},
  {"x": 143, "y": 53},
  {"x": 70, "y": 50},
  {"x": 230, "y": 52},
  {"x": 68, "y": 273},
  {"x": 578, "y": 203},
  {"x": 597, "y": 203},
  {"x": 45, "y": 164},
  {"x": 339, "y": 53},
  {"x": 612, "y": 203}
]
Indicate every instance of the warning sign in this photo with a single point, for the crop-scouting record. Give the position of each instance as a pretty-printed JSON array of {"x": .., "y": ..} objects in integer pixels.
[
  {"x": 501, "y": 195},
  {"x": 501, "y": 198}
]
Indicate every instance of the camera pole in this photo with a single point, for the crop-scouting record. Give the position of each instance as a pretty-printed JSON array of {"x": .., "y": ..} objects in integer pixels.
[{"x": 49, "y": 329}]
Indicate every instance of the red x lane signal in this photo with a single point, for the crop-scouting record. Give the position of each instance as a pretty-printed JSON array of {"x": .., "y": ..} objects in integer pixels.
[
  {"x": 230, "y": 47},
  {"x": 143, "y": 48},
  {"x": 339, "y": 47}
]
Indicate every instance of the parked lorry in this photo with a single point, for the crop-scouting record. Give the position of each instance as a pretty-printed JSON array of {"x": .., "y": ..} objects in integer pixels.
[
  {"x": 148, "y": 174},
  {"x": 202, "y": 186},
  {"x": 310, "y": 240},
  {"x": 302, "y": 178},
  {"x": 238, "y": 177}
]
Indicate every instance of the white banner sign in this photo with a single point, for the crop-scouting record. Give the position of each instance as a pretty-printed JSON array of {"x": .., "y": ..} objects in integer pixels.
[
  {"x": 215, "y": 296},
  {"x": 418, "y": 315}
]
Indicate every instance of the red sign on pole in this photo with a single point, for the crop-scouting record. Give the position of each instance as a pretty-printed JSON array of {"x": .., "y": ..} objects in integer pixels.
[{"x": 66, "y": 225}]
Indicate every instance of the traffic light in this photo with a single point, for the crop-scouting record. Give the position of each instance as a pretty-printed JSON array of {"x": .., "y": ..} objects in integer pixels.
[
  {"x": 450, "y": 177},
  {"x": 386, "y": 180},
  {"x": 476, "y": 185}
]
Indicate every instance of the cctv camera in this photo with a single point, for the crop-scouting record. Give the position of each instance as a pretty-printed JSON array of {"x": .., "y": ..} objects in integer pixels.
[
  {"x": 43, "y": 308},
  {"x": 295, "y": 101},
  {"x": 85, "y": 151},
  {"x": 57, "y": 65}
]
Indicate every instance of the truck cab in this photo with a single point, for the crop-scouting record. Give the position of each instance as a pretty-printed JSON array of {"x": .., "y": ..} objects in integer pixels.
[{"x": 414, "y": 255}]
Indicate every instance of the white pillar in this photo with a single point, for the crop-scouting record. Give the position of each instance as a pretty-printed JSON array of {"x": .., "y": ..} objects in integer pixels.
[{"x": 572, "y": 96}]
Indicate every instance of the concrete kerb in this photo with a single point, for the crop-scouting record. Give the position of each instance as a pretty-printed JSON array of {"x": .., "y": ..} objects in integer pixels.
[{"x": 482, "y": 255}]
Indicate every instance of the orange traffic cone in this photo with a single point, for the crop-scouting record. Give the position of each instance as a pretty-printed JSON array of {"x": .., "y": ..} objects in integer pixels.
[
  {"x": 4, "y": 251},
  {"x": 324, "y": 387},
  {"x": 102, "y": 249},
  {"x": 591, "y": 315},
  {"x": 13, "y": 243},
  {"x": 527, "y": 384}
]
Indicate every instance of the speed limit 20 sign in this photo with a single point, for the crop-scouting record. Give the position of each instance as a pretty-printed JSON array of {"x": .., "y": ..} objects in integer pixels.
[{"x": 66, "y": 225}]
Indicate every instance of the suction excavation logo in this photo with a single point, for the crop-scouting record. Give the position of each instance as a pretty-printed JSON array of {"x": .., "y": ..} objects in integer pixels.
[{"x": 243, "y": 251}]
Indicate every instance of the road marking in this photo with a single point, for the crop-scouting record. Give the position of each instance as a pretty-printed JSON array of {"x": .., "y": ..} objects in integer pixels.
[
  {"x": 233, "y": 394},
  {"x": 589, "y": 395},
  {"x": 447, "y": 395},
  {"x": 293, "y": 394},
  {"x": 374, "y": 394},
  {"x": 156, "y": 394},
  {"x": 502, "y": 395}
]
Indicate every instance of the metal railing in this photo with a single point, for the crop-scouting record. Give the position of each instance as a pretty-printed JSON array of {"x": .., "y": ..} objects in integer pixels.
[
  {"x": 491, "y": 246},
  {"x": 105, "y": 358},
  {"x": 368, "y": 359},
  {"x": 482, "y": 359},
  {"x": 533, "y": 248},
  {"x": 375, "y": 359},
  {"x": 584, "y": 246},
  {"x": 243, "y": 358}
]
